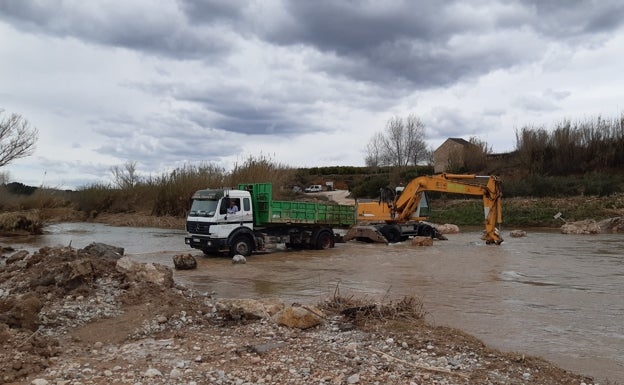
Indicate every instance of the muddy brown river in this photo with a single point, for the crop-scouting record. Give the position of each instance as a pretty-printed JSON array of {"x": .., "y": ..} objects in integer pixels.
[{"x": 547, "y": 294}]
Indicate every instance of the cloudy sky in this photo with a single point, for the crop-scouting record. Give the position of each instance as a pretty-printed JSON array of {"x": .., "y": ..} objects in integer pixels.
[{"x": 307, "y": 83}]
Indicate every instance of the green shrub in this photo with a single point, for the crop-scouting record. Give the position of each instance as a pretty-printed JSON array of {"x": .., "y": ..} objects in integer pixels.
[{"x": 370, "y": 186}]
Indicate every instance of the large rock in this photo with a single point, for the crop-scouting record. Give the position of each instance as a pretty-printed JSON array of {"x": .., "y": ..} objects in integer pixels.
[
  {"x": 98, "y": 249},
  {"x": 588, "y": 226},
  {"x": 184, "y": 262},
  {"x": 145, "y": 272},
  {"x": 299, "y": 317},
  {"x": 237, "y": 309}
]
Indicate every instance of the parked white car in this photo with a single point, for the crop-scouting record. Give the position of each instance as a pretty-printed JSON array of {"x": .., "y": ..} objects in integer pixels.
[{"x": 314, "y": 188}]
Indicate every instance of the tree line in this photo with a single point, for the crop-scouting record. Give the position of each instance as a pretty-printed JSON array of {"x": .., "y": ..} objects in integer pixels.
[{"x": 572, "y": 148}]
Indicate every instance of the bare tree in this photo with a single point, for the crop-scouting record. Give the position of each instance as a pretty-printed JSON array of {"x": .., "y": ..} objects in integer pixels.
[
  {"x": 5, "y": 177},
  {"x": 401, "y": 144},
  {"x": 17, "y": 138},
  {"x": 374, "y": 156},
  {"x": 126, "y": 176}
]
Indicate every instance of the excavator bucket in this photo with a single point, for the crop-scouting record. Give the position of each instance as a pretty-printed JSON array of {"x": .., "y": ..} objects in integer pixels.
[{"x": 365, "y": 233}]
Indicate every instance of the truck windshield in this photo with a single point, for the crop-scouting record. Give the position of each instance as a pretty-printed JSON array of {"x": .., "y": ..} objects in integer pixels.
[{"x": 203, "y": 208}]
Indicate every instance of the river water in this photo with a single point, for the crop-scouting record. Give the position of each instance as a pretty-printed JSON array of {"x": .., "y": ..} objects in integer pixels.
[{"x": 557, "y": 296}]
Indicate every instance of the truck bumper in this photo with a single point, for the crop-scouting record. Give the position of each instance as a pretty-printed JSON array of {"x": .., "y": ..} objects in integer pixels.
[{"x": 205, "y": 243}]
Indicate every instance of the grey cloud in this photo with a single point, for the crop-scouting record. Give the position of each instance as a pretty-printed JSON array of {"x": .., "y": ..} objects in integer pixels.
[
  {"x": 246, "y": 110},
  {"x": 212, "y": 11},
  {"x": 411, "y": 43},
  {"x": 556, "y": 95},
  {"x": 535, "y": 103},
  {"x": 72, "y": 173},
  {"x": 241, "y": 111},
  {"x": 163, "y": 140},
  {"x": 571, "y": 19},
  {"x": 404, "y": 43},
  {"x": 450, "y": 122},
  {"x": 139, "y": 26}
]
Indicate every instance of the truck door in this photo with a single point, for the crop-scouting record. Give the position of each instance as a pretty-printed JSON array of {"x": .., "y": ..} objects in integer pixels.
[{"x": 245, "y": 214}]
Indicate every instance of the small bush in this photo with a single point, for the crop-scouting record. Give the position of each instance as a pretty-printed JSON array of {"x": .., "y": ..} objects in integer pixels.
[
  {"x": 360, "y": 310},
  {"x": 28, "y": 222}
]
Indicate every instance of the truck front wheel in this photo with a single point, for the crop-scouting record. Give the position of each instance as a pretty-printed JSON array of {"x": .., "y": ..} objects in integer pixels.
[{"x": 242, "y": 245}]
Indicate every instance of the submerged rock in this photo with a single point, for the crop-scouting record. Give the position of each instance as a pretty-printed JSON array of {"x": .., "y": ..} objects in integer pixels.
[
  {"x": 517, "y": 233},
  {"x": 422, "y": 241}
]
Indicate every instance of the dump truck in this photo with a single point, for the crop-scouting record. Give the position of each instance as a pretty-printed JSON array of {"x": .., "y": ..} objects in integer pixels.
[
  {"x": 214, "y": 226},
  {"x": 397, "y": 214}
]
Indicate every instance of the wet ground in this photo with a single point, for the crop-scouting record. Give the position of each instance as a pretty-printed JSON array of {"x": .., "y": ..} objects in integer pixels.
[{"x": 552, "y": 295}]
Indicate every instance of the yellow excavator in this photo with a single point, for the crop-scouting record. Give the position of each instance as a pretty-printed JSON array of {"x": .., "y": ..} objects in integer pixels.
[{"x": 397, "y": 215}]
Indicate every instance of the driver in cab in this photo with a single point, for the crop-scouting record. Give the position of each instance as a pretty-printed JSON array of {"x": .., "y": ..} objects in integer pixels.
[{"x": 233, "y": 209}]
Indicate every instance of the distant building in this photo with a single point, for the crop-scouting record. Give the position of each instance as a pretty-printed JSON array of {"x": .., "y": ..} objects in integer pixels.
[{"x": 451, "y": 154}]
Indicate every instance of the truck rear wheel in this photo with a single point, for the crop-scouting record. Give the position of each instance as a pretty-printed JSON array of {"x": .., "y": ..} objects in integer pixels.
[
  {"x": 324, "y": 240},
  {"x": 242, "y": 245}
]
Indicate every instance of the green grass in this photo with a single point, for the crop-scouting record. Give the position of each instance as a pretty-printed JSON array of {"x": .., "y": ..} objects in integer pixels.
[{"x": 529, "y": 212}]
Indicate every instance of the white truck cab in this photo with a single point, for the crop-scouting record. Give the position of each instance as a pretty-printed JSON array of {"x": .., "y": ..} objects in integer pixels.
[{"x": 210, "y": 224}]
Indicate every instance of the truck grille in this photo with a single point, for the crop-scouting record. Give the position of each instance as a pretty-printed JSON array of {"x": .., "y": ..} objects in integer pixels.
[{"x": 194, "y": 227}]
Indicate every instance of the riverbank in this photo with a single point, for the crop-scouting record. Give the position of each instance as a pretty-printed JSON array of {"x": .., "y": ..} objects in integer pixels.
[{"x": 79, "y": 316}]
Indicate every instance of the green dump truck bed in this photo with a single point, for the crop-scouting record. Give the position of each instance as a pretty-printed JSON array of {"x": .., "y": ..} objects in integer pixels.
[{"x": 267, "y": 211}]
